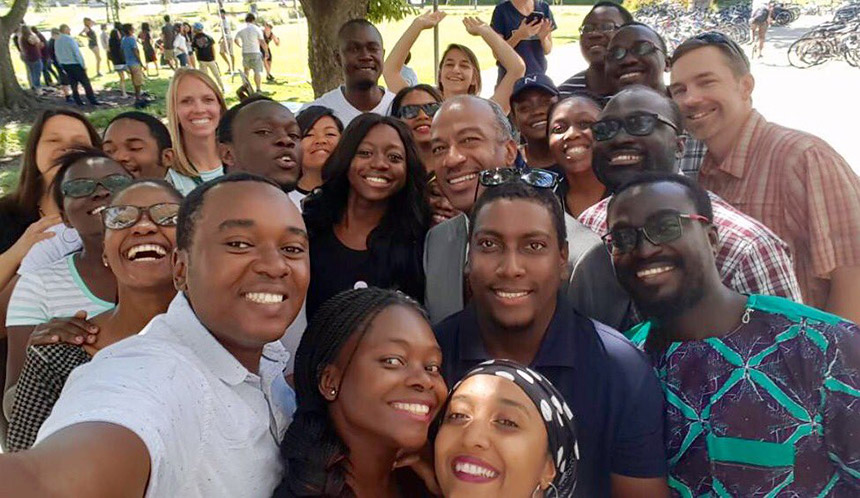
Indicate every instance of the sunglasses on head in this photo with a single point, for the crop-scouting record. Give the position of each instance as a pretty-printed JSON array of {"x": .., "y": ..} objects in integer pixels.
[
  {"x": 638, "y": 125},
  {"x": 538, "y": 178},
  {"x": 659, "y": 229},
  {"x": 82, "y": 187},
  {"x": 717, "y": 38},
  {"x": 639, "y": 49},
  {"x": 411, "y": 111},
  {"x": 165, "y": 214},
  {"x": 603, "y": 27}
]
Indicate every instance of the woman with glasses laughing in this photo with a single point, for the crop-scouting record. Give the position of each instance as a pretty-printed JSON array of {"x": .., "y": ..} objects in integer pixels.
[
  {"x": 85, "y": 180},
  {"x": 139, "y": 235}
]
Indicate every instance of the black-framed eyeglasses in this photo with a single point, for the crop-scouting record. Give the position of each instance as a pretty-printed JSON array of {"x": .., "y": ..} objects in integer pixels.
[
  {"x": 165, "y": 214},
  {"x": 638, "y": 125},
  {"x": 603, "y": 27},
  {"x": 659, "y": 229},
  {"x": 411, "y": 111},
  {"x": 639, "y": 49},
  {"x": 82, "y": 187},
  {"x": 538, "y": 178}
]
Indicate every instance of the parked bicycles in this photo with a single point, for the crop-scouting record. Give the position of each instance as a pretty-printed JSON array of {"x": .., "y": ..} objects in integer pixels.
[{"x": 827, "y": 41}]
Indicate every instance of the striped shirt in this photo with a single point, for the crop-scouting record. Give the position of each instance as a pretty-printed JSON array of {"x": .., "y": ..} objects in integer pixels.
[
  {"x": 185, "y": 184},
  {"x": 750, "y": 258},
  {"x": 54, "y": 291},
  {"x": 802, "y": 189}
]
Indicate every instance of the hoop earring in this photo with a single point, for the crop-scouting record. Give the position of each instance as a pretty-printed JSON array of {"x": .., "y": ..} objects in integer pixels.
[
  {"x": 545, "y": 493},
  {"x": 554, "y": 491}
]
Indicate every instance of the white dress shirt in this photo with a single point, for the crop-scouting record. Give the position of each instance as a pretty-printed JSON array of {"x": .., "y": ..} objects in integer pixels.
[{"x": 211, "y": 427}]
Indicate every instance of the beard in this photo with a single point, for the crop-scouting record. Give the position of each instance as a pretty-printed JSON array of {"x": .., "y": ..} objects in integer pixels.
[{"x": 689, "y": 293}]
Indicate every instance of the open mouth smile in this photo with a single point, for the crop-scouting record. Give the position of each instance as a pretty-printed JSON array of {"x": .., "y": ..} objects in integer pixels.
[{"x": 146, "y": 252}]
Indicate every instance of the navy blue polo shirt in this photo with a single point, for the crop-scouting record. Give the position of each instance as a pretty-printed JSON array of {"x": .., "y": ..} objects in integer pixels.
[
  {"x": 610, "y": 386},
  {"x": 506, "y": 19}
]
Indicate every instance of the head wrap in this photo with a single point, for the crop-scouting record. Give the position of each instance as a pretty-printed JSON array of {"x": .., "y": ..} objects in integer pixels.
[{"x": 556, "y": 415}]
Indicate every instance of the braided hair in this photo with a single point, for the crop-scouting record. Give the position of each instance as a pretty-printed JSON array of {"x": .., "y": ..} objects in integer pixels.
[{"x": 315, "y": 457}]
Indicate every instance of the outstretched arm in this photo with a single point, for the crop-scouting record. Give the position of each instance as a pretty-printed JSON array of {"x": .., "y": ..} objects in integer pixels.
[
  {"x": 93, "y": 459},
  {"x": 397, "y": 58},
  {"x": 514, "y": 66}
]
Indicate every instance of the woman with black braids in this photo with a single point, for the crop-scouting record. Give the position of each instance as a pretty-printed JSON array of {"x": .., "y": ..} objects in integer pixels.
[{"x": 368, "y": 385}]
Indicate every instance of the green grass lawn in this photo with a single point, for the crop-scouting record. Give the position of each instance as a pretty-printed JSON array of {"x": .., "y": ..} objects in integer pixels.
[{"x": 290, "y": 58}]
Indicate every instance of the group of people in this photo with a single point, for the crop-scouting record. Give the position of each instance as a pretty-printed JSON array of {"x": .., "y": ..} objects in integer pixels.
[
  {"x": 131, "y": 53},
  {"x": 615, "y": 287}
]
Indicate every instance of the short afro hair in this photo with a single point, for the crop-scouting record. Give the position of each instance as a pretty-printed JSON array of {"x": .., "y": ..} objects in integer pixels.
[
  {"x": 695, "y": 192},
  {"x": 626, "y": 16},
  {"x": 192, "y": 205},
  {"x": 519, "y": 190},
  {"x": 224, "y": 132},
  {"x": 156, "y": 128}
]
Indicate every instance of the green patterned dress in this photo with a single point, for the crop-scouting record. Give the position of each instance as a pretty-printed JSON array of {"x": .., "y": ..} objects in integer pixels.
[{"x": 771, "y": 409}]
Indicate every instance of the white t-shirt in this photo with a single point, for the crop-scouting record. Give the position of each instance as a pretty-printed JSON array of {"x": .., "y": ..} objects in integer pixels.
[
  {"x": 56, "y": 290},
  {"x": 45, "y": 252},
  {"x": 336, "y": 101},
  {"x": 251, "y": 36},
  {"x": 211, "y": 427},
  {"x": 180, "y": 44},
  {"x": 185, "y": 184}
]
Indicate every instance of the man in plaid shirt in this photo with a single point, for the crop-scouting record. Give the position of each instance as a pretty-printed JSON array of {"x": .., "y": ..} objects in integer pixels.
[{"x": 751, "y": 259}]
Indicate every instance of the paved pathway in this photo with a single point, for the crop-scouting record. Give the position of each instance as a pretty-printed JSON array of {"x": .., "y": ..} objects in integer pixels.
[{"x": 824, "y": 100}]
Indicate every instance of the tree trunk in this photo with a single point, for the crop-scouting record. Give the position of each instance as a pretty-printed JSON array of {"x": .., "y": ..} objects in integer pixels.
[
  {"x": 324, "y": 18},
  {"x": 12, "y": 96}
]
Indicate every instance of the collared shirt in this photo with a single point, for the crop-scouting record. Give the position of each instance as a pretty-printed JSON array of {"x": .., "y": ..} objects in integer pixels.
[
  {"x": 691, "y": 162},
  {"x": 609, "y": 385},
  {"x": 66, "y": 51},
  {"x": 769, "y": 409},
  {"x": 211, "y": 427},
  {"x": 751, "y": 259},
  {"x": 802, "y": 189}
]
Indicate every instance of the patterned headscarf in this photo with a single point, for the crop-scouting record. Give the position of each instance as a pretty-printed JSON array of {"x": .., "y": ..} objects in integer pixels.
[{"x": 557, "y": 417}]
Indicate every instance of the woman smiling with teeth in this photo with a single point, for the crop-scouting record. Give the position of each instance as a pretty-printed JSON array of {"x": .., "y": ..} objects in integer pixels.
[
  {"x": 194, "y": 107},
  {"x": 84, "y": 182},
  {"x": 368, "y": 220},
  {"x": 368, "y": 385},
  {"x": 139, "y": 235},
  {"x": 570, "y": 143},
  {"x": 500, "y": 419}
]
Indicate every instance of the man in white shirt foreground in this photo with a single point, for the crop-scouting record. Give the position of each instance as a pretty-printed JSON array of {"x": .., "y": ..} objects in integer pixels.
[
  {"x": 253, "y": 44},
  {"x": 196, "y": 404}
]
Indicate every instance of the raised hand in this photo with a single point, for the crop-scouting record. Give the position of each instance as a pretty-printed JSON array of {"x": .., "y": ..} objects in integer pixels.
[
  {"x": 475, "y": 26},
  {"x": 429, "y": 19}
]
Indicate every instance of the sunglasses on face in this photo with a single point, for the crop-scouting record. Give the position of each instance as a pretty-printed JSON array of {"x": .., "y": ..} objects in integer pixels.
[
  {"x": 538, "y": 178},
  {"x": 638, "y": 125},
  {"x": 82, "y": 187},
  {"x": 411, "y": 111},
  {"x": 604, "y": 27},
  {"x": 639, "y": 49},
  {"x": 659, "y": 229},
  {"x": 121, "y": 217}
]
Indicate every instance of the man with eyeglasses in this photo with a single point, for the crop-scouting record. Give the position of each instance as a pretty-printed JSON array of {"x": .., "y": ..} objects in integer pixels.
[
  {"x": 761, "y": 392},
  {"x": 473, "y": 147},
  {"x": 597, "y": 29},
  {"x": 517, "y": 250},
  {"x": 791, "y": 181},
  {"x": 637, "y": 133}
]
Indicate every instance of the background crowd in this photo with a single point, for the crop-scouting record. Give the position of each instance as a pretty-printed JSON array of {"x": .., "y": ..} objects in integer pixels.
[{"x": 630, "y": 285}]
